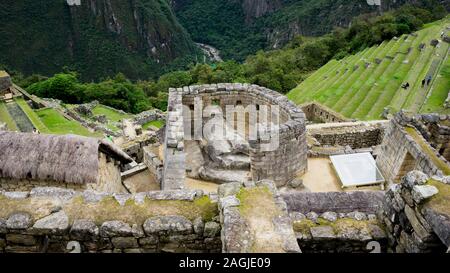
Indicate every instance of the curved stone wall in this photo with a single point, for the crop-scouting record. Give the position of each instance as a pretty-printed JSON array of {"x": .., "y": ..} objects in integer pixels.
[{"x": 278, "y": 153}]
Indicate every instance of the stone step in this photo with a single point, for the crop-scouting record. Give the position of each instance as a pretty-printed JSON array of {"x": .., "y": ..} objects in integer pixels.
[{"x": 222, "y": 176}]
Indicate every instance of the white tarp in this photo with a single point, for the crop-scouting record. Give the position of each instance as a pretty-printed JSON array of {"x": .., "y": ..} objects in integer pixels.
[{"x": 357, "y": 170}]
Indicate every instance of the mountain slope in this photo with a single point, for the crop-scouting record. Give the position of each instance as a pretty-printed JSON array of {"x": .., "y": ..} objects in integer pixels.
[
  {"x": 98, "y": 38},
  {"x": 241, "y": 27},
  {"x": 362, "y": 85}
]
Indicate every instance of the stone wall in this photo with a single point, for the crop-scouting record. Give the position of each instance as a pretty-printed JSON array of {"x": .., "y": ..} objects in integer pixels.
[
  {"x": 280, "y": 164},
  {"x": 401, "y": 150},
  {"x": 148, "y": 116},
  {"x": 356, "y": 135},
  {"x": 86, "y": 109},
  {"x": 56, "y": 220},
  {"x": 337, "y": 221},
  {"x": 154, "y": 164},
  {"x": 174, "y": 173},
  {"x": 254, "y": 218},
  {"x": 135, "y": 147},
  {"x": 416, "y": 214},
  {"x": 7, "y": 184},
  {"x": 317, "y": 113},
  {"x": 5, "y": 81},
  {"x": 109, "y": 176}
]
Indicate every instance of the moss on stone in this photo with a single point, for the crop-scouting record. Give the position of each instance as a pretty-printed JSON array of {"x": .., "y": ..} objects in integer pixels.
[
  {"x": 109, "y": 209},
  {"x": 341, "y": 225},
  {"x": 258, "y": 208},
  {"x": 344, "y": 224},
  {"x": 37, "y": 208},
  {"x": 303, "y": 226},
  {"x": 441, "y": 201}
]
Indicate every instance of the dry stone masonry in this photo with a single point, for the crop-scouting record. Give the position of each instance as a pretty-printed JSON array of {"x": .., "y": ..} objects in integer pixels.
[
  {"x": 337, "y": 221},
  {"x": 280, "y": 165},
  {"x": 317, "y": 113},
  {"x": 416, "y": 214},
  {"x": 58, "y": 226},
  {"x": 174, "y": 157},
  {"x": 407, "y": 146},
  {"x": 356, "y": 135},
  {"x": 244, "y": 230}
]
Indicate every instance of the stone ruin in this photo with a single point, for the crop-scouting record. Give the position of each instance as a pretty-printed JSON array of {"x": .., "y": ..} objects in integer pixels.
[
  {"x": 252, "y": 214},
  {"x": 415, "y": 142},
  {"x": 222, "y": 159}
]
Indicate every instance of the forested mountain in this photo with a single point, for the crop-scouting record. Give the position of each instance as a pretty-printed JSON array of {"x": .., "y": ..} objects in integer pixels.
[
  {"x": 98, "y": 38},
  {"x": 241, "y": 27}
]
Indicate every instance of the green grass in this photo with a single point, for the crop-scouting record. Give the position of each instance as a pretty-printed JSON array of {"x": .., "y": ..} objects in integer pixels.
[
  {"x": 439, "y": 91},
  {"x": 32, "y": 116},
  {"x": 111, "y": 115},
  {"x": 58, "y": 124},
  {"x": 155, "y": 123},
  {"x": 6, "y": 118},
  {"x": 363, "y": 93}
]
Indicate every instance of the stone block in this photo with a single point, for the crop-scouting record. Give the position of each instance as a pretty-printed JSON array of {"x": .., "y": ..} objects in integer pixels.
[
  {"x": 171, "y": 225},
  {"x": 323, "y": 233},
  {"x": 19, "y": 221},
  {"x": 54, "y": 223},
  {"x": 20, "y": 239},
  {"x": 83, "y": 229},
  {"x": 124, "y": 242},
  {"x": 115, "y": 228},
  {"x": 423, "y": 192}
]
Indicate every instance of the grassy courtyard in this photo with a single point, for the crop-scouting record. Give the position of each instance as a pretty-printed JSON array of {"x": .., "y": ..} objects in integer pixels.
[
  {"x": 57, "y": 124},
  {"x": 111, "y": 115}
]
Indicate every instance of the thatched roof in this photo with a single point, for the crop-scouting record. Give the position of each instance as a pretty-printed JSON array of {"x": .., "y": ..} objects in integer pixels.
[{"x": 69, "y": 158}]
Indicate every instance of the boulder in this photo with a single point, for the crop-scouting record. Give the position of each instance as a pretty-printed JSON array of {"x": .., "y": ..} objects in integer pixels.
[{"x": 56, "y": 222}]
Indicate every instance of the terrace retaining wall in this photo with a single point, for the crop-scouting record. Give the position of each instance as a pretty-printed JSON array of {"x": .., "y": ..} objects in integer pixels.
[
  {"x": 357, "y": 135},
  {"x": 413, "y": 224},
  {"x": 337, "y": 221},
  {"x": 316, "y": 112},
  {"x": 400, "y": 152},
  {"x": 57, "y": 230}
]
